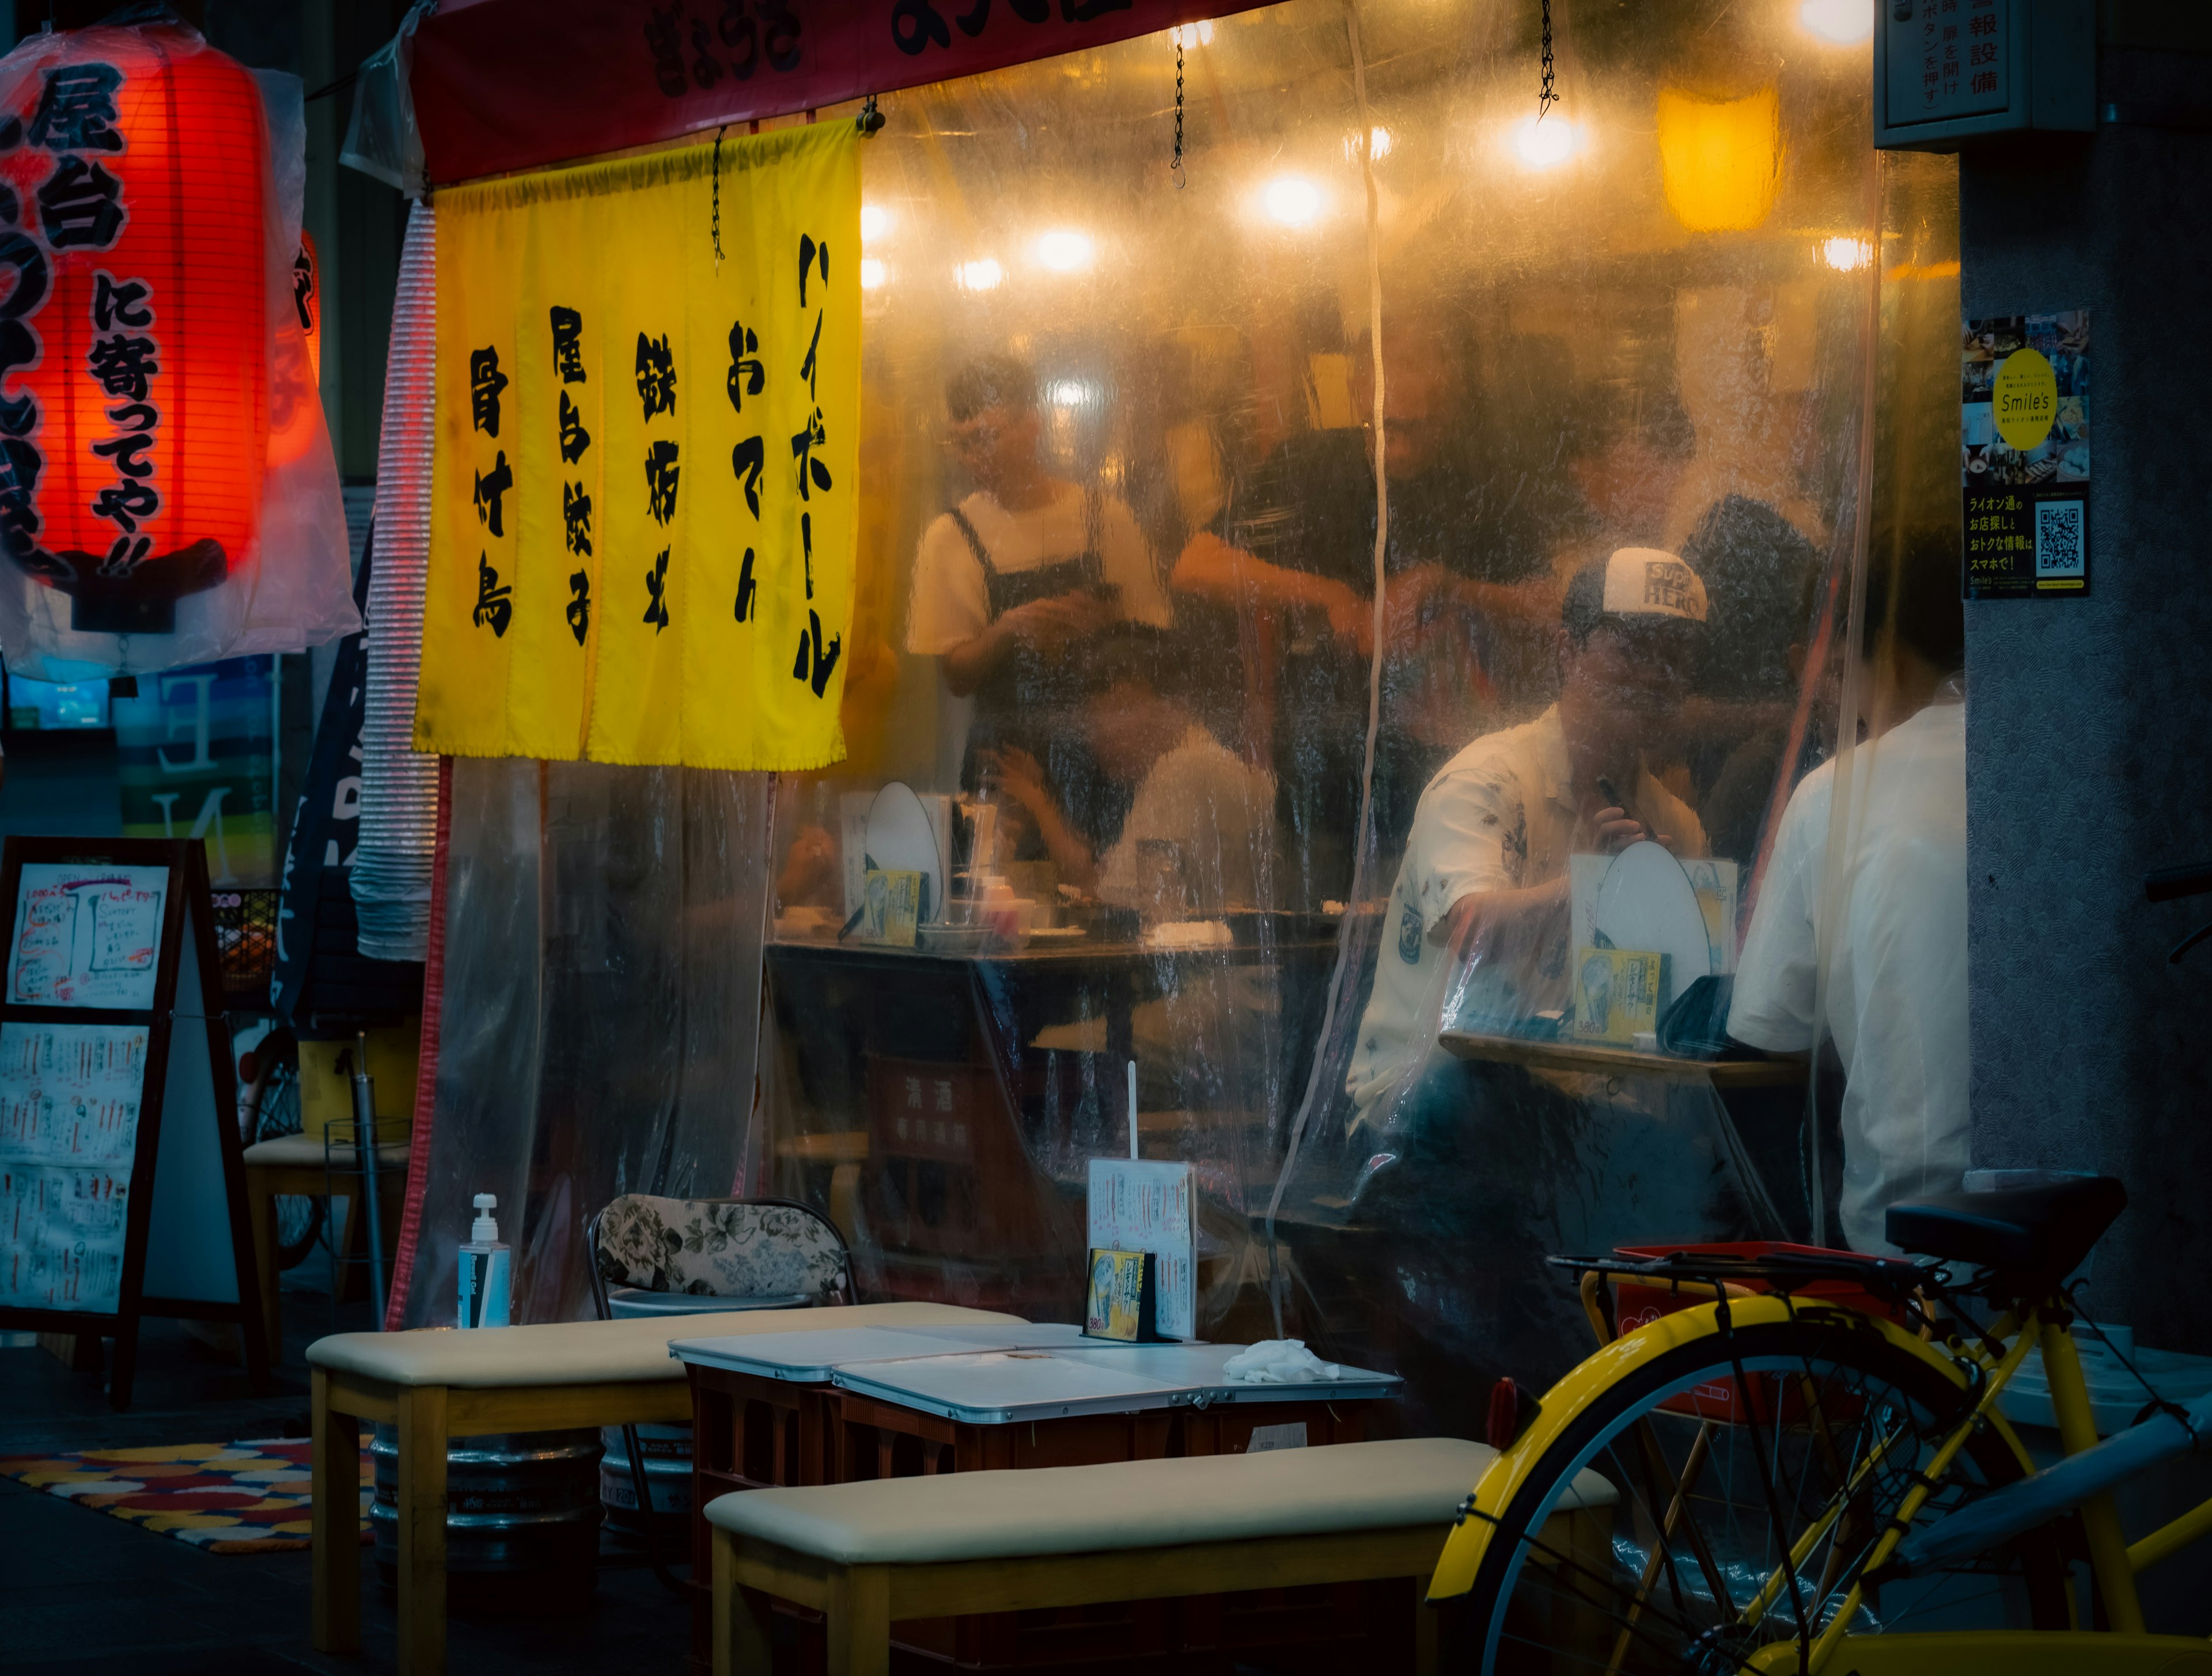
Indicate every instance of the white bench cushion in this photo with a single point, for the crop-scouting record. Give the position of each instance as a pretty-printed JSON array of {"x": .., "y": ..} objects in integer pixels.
[
  {"x": 593, "y": 1352},
  {"x": 297, "y": 1151},
  {"x": 1384, "y": 1485}
]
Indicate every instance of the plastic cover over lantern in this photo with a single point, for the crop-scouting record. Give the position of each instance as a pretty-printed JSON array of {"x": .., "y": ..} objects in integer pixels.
[{"x": 159, "y": 421}]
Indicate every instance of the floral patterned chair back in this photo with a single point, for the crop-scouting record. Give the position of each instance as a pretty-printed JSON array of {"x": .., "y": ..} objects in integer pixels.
[{"x": 722, "y": 1247}]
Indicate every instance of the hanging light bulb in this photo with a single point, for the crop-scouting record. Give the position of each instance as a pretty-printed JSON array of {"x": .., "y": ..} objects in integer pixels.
[
  {"x": 1292, "y": 200},
  {"x": 875, "y": 222},
  {"x": 873, "y": 273},
  {"x": 1546, "y": 142},
  {"x": 1845, "y": 22},
  {"x": 985, "y": 274},
  {"x": 1847, "y": 255},
  {"x": 1064, "y": 251}
]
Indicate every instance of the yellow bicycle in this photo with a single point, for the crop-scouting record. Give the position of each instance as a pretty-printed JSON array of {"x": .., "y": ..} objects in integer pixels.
[{"x": 1773, "y": 1482}]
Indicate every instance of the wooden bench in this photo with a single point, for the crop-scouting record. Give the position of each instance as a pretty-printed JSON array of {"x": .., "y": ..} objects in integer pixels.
[
  {"x": 435, "y": 1384},
  {"x": 867, "y": 1555}
]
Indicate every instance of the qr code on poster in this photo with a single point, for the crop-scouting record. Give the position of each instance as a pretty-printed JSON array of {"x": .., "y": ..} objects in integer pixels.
[{"x": 2058, "y": 538}]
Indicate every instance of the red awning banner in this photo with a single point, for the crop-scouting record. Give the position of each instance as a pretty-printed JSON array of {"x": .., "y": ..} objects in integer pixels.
[{"x": 515, "y": 84}]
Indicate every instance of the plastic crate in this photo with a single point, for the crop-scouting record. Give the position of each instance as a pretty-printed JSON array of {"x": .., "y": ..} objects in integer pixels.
[
  {"x": 246, "y": 945},
  {"x": 1638, "y": 1303}
]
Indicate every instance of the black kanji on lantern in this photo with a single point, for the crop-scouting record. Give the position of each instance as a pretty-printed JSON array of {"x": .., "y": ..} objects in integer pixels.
[
  {"x": 811, "y": 470},
  {"x": 656, "y": 375},
  {"x": 747, "y": 371},
  {"x": 125, "y": 450},
  {"x": 80, "y": 206},
  {"x": 656, "y": 588},
  {"x": 490, "y": 486},
  {"x": 569, "y": 344},
  {"x": 485, "y": 382},
  {"x": 579, "y": 611},
  {"x": 574, "y": 439},
  {"x": 576, "y": 515},
  {"x": 661, "y": 482},
  {"x": 125, "y": 553},
  {"x": 123, "y": 366},
  {"x": 126, "y": 503},
  {"x": 494, "y": 608},
  {"x": 120, "y": 302},
  {"x": 76, "y": 112},
  {"x": 21, "y": 463},
  {"x": 748, "y": 460}
]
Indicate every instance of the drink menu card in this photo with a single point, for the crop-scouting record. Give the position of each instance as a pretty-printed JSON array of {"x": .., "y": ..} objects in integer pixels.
[
  {"x": 1137, "y": 1204},
  {"x": 69, "y": 1130},
  {"x": 87, "y": 936}
]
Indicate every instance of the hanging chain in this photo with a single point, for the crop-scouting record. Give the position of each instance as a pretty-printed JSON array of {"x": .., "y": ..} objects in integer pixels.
[
  {"x": 1174, "y": 169},
  {"x": 719, "y": 132},
  {"x": 1545, "y": 97}
]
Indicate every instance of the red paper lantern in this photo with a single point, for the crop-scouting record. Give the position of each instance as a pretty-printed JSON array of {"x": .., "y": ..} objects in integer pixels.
[{"x": 134, "y": 341}]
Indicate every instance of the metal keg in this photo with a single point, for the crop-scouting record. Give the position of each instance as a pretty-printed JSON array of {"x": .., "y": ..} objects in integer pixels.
[
  {"x": 667, "y": 1453},
  {"x": 522, "y": 1518},
  {"x": 667, "y": 1450}
]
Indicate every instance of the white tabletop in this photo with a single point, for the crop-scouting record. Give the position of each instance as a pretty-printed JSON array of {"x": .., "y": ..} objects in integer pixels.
[
  {"x": 1087, "y": 1378},
  {"x": 811, "y": 1358}
]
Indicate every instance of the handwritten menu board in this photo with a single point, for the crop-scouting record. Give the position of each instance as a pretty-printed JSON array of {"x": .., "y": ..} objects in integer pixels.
[
  {"x": 87, "y": 936},
  {"x": 1137, "y": 1204},
  {"x": 122, "y": 1182},
  {"x": 69, "y": 1131}
]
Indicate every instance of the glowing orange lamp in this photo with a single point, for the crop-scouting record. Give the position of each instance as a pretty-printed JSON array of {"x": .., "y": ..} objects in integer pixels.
[{"x": 134, "y": 385}]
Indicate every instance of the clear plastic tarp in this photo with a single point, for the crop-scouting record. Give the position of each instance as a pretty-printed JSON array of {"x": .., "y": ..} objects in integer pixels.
[
  {"x": 1418, "y": 918},
  {"x": 602, "y": 991}
]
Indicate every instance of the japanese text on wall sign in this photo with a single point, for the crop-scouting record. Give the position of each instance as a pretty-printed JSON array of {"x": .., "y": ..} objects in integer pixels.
[
  {"x": 603, "y": 584},
  {"x": 741, "y": 39}
]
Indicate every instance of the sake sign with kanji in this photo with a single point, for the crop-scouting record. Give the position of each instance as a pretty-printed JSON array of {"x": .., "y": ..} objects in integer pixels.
[{"x": 642, "y": 519}]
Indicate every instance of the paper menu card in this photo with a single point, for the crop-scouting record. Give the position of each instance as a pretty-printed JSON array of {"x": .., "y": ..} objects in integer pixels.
[
  {"x": 68, "y": 1132},
  {"x": 1616, "y": 995},
  {"x": 1137, "y": 1205},
  {"x": 86, "y": 936}
]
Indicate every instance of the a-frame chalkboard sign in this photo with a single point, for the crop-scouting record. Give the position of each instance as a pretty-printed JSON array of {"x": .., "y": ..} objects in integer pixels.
[{"x": 121, "y": 1188}]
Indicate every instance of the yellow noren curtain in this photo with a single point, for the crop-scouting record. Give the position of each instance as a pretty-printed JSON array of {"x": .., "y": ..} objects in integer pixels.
[{"x": 643, "y": 506}]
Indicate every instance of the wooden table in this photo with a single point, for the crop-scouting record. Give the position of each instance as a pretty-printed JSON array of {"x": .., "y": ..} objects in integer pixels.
[
  {"x": 1596, "y": 1060},
  {"x": 752, "y": 1432}
]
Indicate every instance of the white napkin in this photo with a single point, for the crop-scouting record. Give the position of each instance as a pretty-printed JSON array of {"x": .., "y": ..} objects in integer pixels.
[{"x": 1278, "y": 1362}]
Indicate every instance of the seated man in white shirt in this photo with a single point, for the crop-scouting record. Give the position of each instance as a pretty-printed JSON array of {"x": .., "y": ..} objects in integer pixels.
[
  {"x": 1893, "y": 928},
  {"x": 1476, "y": 932},
  {"x": 1199, "y": 840},
  {"x": 1200, "y": 835}
]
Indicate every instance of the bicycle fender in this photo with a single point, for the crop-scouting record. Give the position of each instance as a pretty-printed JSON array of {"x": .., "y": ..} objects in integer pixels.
[{"x": 1567, "y": 1401}]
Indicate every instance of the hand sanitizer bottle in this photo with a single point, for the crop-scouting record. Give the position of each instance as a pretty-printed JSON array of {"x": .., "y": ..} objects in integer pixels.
[{"x": 483, "y": 1270}]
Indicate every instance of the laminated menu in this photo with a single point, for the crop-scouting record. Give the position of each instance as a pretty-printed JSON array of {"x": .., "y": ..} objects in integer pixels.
[{"x": 70, "y": 1098}]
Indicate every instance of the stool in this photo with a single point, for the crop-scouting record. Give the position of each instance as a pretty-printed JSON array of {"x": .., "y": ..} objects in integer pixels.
[
  {"x": 299, "y": 1164},
  {"x": 867, "y": 1555},
  {"x": 433, "y": 1384}
]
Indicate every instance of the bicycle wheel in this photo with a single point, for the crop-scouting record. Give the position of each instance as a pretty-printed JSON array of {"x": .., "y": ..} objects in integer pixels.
[{"x": 1728, "y": 1515}]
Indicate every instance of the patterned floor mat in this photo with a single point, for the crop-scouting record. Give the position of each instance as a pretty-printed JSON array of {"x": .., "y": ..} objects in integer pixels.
[{"x": 253, "y": 1497}]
